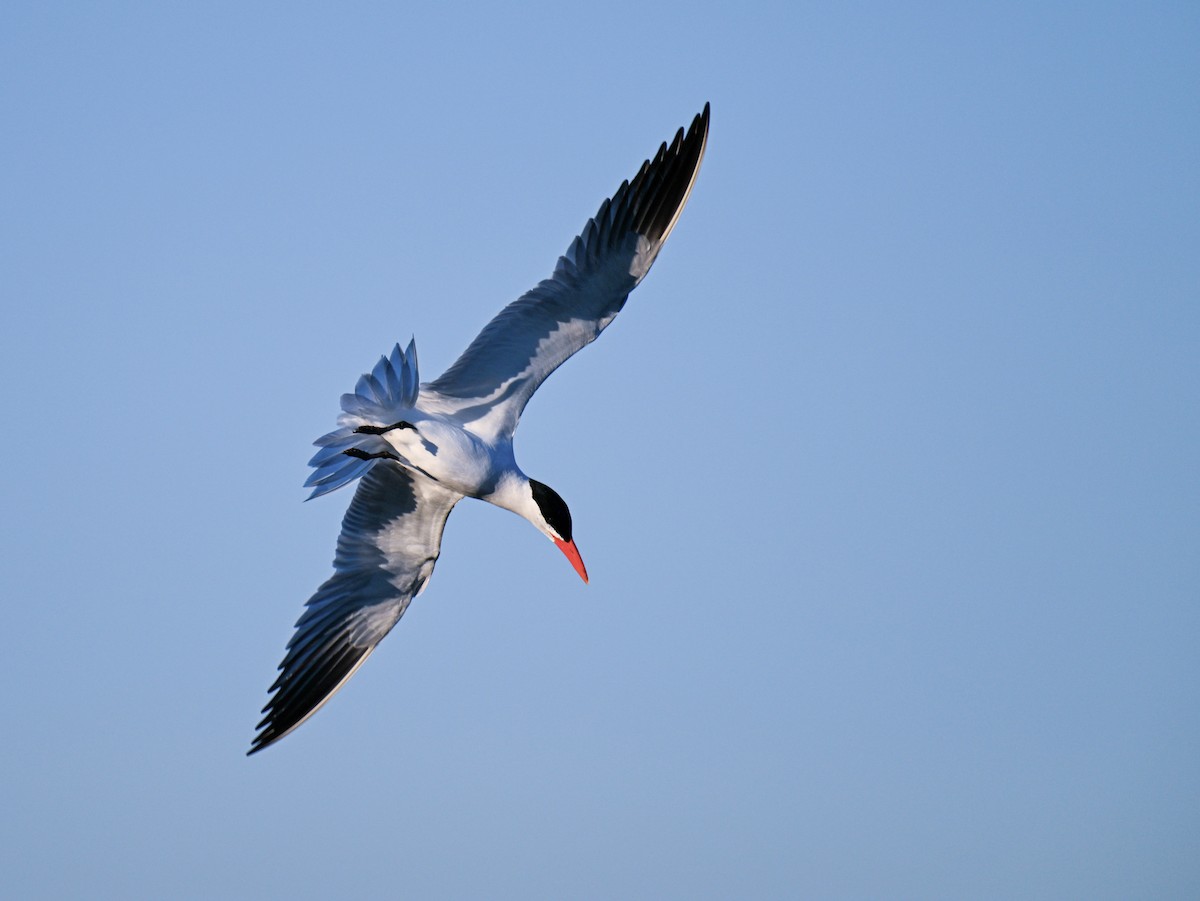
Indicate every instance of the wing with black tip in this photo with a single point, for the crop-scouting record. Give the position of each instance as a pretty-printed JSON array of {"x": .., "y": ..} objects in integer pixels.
[
  {"x": 489, "y": 385},
  {"x": 390, "y": 540}
]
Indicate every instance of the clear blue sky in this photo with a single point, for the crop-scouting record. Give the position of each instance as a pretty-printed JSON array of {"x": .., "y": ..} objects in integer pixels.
[{"x": 887, "y": 477}]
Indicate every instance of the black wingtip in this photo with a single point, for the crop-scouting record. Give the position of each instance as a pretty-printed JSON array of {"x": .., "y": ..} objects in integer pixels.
[
  {"x": 268, "y": 734},
  {"x": 661, "y": 188}
]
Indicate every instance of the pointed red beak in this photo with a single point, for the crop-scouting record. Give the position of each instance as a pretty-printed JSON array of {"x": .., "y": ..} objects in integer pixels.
[{"x": 572, "y": 553}]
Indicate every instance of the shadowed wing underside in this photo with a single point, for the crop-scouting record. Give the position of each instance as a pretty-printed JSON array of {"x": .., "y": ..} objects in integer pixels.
[
  {"x": 489, "y": 385},
  {"x": 390, "y": 540}
]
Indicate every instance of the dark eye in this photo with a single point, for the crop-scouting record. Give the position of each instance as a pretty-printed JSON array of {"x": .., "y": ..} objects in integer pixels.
[{"x": 554, "y": 508}]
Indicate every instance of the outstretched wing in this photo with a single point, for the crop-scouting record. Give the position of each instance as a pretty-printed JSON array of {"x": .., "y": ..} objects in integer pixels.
[
  {"x": 390, "y": 539},
  {"x": 489, "y": 385}
]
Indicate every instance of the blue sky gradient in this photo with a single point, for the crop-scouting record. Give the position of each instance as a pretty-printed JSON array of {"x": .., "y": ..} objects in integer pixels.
[{"x": 886, "y": 477}]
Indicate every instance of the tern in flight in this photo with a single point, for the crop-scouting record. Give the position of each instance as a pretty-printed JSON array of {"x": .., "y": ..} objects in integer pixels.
[{"x": 418, "y": 448}]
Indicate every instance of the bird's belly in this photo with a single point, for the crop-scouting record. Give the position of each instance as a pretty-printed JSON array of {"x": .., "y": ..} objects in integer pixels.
[{"x": 449, "y": 455}]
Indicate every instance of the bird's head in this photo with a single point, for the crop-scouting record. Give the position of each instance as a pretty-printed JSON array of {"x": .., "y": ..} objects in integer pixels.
[{"x": 556, "y": 523}]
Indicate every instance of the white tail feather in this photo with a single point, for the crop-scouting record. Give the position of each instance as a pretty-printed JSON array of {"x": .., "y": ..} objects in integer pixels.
[{"x": 382, "y": 396}]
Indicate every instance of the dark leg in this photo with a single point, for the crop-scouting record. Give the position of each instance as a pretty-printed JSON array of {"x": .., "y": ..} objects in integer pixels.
[
  {"x": 381, "y": 429},
  {"x": 360, "y": 454}
]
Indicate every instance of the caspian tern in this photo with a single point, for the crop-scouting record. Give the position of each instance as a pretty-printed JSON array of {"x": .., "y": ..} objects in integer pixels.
[{"x": 418, "y": 449}]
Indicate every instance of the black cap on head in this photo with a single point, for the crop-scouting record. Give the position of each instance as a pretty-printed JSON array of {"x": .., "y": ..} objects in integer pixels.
[{"x": 554, "y": 508}]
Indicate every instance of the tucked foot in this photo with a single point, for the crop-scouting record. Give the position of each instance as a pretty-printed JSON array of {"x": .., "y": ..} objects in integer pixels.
[
  {"x": 359, "y": 454},
  {"x": 381, "y": 429}
]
